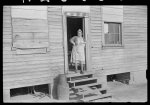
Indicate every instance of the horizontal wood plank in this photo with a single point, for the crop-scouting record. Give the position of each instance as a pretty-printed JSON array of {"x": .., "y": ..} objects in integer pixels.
[{"x": 28, "y": 13}]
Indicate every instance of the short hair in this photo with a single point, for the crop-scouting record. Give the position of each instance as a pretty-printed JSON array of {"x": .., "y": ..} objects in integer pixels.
[{"x": 79, "y": 30}]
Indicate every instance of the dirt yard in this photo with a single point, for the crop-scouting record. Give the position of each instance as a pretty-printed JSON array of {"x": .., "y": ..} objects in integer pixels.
[
  {"x": 126, "y": 93},
  {"x": 120, "y": 93}
]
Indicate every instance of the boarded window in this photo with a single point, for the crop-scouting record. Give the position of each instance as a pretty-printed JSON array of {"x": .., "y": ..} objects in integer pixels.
[
  {"x": 30, "y": 28},
  {"x": 112, "y": 33}
]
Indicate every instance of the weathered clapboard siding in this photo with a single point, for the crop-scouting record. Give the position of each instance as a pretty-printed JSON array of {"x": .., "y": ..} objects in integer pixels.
[
  {"x": 55, "y": 29},
  {"x": 132, "y": 56},
  {"x": 32, "y": 69},
  {"x": 56, "y": 38},
  {"x": 28, "y": 82},
  {"x": 7, "y": 42},
  {"x": 96, "y": 34},
  {"x": 112, "y": 13},
  {"x": 138, "y": 35},
  {"x": 7, "y": 29},
  {"x": 32, "y": 12},
  {"x": 134, "y": 51}
]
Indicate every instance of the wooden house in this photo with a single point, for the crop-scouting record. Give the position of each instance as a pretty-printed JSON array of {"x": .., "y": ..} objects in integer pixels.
[{"x": 36, "y": 47}]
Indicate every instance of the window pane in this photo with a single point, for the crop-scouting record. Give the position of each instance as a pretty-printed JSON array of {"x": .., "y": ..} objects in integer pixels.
[
  {"x": 113, "y": 28},
  {"x": 116, "y": 28},
  {"x": 112, "y": 33},
  {"x": 107, "y": 39},
  {"x": 116, "y": 38}
]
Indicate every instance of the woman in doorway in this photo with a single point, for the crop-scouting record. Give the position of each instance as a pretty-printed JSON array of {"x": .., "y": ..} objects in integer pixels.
[{"x": 78, "y": 50}]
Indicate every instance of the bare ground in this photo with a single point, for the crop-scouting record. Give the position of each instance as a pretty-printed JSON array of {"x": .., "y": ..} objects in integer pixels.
[{"x": 120, "y": 93}]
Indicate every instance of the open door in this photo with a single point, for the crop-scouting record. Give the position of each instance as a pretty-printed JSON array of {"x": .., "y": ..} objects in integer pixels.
[
  {"x": 73, "y": 24},
  {"x": 72, "y": 21}
]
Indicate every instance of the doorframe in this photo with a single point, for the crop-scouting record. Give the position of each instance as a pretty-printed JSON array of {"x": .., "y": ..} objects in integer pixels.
[{"x": 87, "y": 39}]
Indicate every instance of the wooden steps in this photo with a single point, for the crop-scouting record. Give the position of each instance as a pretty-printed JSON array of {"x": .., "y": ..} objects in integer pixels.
[
  {"x": 74, "y": 76},
  {"x": 86, "y": 87},
  {"x": 82, "y": 80},
  {"x": 93, "y": 91},
  {"x": 92, "y": 98},
  {"x": 77, "y": 74}
]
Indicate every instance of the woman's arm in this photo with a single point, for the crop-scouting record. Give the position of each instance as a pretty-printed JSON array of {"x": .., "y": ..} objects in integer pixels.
[
  {"x": 84, "y": 42},
  {"x": 72, "y": 40}
]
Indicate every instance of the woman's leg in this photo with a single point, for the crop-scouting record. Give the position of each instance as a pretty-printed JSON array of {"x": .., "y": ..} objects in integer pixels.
[
  {"x": 76, "y": 66},
  {"x": 82, "y": 67}
]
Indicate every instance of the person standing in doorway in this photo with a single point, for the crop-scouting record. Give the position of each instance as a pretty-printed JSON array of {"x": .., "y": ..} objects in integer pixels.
[{"x": 78, "y": 50}]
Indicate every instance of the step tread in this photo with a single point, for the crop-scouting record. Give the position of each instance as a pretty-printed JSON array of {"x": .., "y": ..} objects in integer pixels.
[
  {"x": 81, "y": 80},
  {"x": 94, "y": 91},
  {"x": 91, "y": 84},
  {"x": 78, "y": 78},
  {"x": 96, "y": 97},
  {"x": 77, "y": 74}
]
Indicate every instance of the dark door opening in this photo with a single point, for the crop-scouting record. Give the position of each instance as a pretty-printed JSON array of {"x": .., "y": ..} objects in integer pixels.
[{"x": 73, "y": 24}]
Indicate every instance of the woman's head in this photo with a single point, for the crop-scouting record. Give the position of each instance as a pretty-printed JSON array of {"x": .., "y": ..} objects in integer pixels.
[{"x": 79, "y": 32}]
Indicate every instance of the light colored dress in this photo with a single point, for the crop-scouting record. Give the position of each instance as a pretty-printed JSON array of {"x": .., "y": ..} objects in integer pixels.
[{"x": 78, "y": 50}]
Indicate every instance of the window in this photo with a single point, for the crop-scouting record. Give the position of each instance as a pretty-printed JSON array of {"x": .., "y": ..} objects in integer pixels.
[
  {"x": 30, "y": 29},
  {"x": 112, "y": 33}
]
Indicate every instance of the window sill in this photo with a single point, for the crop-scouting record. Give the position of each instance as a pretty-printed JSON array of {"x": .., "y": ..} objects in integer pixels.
[
  {"x": 112, "y": 46},
  {"x": 31, "y": 51}
]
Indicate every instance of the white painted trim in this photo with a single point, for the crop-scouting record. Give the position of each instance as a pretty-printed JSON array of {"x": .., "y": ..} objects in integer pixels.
[
  {"x": 65, "y": 44},
  {"x": 87, "y": 37},
  {"x": 73, "y": 8}
]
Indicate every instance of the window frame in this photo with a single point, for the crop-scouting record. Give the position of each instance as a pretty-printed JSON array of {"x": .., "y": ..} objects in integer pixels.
[
  {"x": 104, "y": 45},
  {"x": 40, "y": 47}
]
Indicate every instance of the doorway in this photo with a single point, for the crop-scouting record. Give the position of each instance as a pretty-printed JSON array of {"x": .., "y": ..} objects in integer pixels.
[{"x": 73, "y": 24}]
